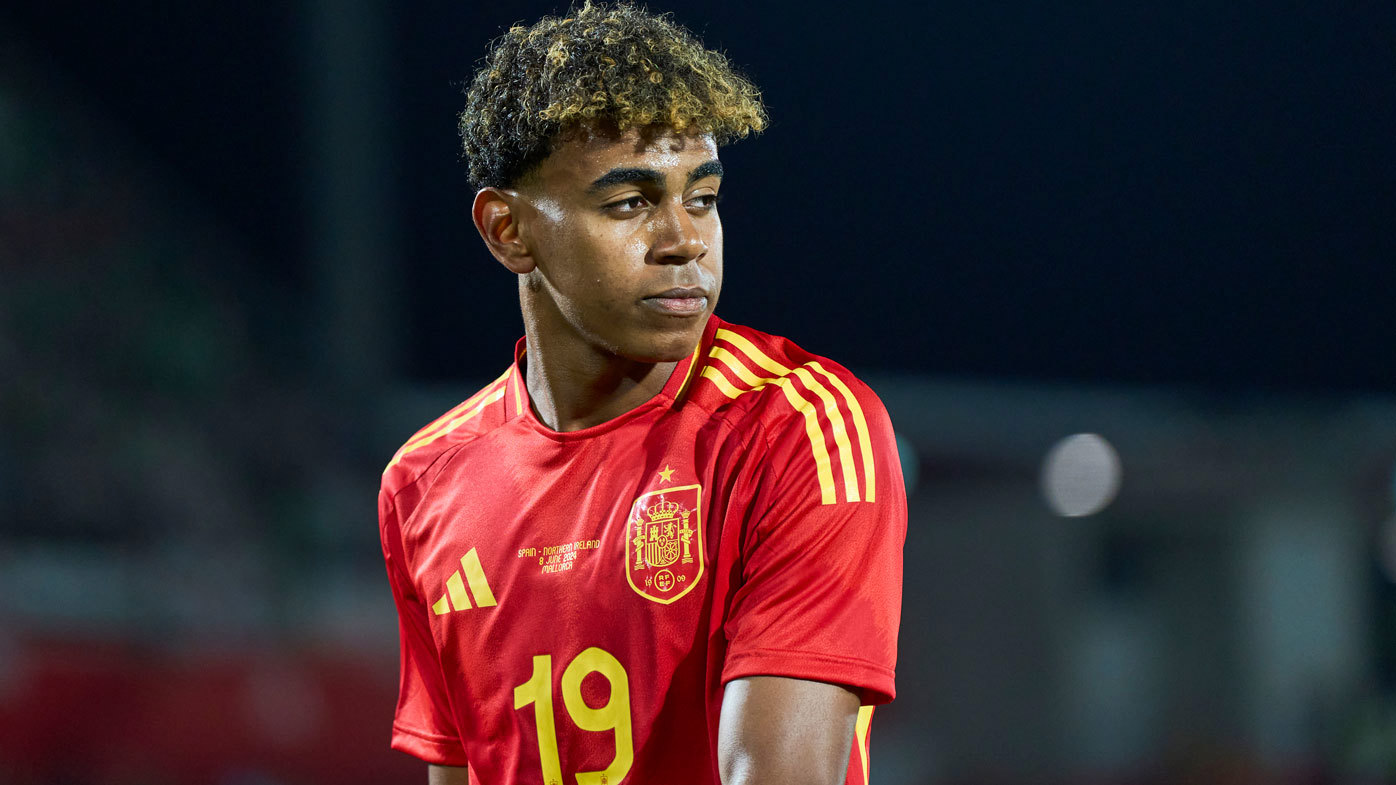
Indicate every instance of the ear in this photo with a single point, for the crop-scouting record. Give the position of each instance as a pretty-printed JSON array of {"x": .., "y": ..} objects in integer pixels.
[{"x": 497, "y": 221}]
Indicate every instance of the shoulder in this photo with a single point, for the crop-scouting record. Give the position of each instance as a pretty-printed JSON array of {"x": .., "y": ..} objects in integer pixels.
[
  {"x": 478, "y": 415},
  {"x": 766, "y": 374},
  {"x": 812, "y": 409}
]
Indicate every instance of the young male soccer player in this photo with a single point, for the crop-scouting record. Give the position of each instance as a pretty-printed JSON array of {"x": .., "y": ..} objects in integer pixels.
[{"x": 660, "y": 548}]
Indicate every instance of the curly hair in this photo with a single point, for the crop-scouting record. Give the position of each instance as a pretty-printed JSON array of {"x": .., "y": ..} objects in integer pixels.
[{"x": 606, "y": 67}]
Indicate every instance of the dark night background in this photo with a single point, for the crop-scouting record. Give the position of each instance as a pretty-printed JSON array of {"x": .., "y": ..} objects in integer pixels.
[
  {"x": 1122, "y": 273},
  {"x": 1182, "y": 193}
]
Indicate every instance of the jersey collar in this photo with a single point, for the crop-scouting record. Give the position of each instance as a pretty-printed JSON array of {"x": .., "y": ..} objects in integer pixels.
[{"x": 685, "y": 373}]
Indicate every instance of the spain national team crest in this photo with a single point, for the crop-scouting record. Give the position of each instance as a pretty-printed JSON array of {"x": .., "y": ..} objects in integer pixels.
[{"x": 664, "y": 543}]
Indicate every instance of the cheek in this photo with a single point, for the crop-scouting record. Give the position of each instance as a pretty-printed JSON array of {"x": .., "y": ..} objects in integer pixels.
[
  {"x": 636, "y": 247},
  {"x": 714, "y": 258},
  {"x": 592, "y": 262},
  {"x": 551, "y": 243},
  {"x": 600, "y": 270}
]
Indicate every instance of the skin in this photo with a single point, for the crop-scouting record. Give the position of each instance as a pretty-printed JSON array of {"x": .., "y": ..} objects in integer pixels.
[
  {"x": 600, "y": 228},
  {"x": 592, "y": 247},
  {"x": 780, "y": 731}
]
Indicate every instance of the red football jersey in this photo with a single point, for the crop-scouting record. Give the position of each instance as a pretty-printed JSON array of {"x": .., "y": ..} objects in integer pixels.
[{"x": 571, "y": 604}]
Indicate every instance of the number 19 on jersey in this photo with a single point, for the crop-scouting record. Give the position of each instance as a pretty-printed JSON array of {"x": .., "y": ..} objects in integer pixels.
[{"x": 613, "y": 715}]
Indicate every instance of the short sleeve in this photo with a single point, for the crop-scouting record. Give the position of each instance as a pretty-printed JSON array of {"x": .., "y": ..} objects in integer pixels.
[
  {"x": 422, "y": 726},
  {"x": 822, "y": 573}
]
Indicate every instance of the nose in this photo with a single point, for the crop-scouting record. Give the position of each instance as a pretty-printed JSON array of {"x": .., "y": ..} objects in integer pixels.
[{"x": 677, "y": 238}]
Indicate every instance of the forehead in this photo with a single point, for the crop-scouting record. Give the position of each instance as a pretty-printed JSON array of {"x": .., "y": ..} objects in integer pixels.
[{"x": 586, "y": 155}]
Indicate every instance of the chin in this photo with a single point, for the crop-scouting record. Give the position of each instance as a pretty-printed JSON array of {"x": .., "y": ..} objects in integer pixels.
[{"x": 668, "y": 347}]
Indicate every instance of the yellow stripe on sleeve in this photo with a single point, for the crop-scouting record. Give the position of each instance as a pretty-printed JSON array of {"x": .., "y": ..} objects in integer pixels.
[
  {"x": 816, "y": 441},
  {"x": 813, "y": 430},
  {"x": 861, "y": 424},
  {"x": 715, "y": 376},
  {"x": 749, "y": 349},
  {"x": 451, "y": 426},
  {"x": 445, "y": 421},
  {"x": 440, "y": 422},
  {"x": 831, "y": 410},
  {"x": 741, "y": 371},
  {"x": 860, "y": 731}
]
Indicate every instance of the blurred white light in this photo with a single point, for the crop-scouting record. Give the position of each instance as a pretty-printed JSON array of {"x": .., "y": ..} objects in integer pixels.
[{"x": 1081, "y": 475}]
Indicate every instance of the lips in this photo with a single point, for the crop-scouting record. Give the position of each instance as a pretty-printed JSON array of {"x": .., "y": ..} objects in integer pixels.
[{"x": 680, "y": 301}]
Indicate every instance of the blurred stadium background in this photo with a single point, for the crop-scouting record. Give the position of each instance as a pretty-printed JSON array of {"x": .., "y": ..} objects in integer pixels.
[{"x": 236, "y": 270}]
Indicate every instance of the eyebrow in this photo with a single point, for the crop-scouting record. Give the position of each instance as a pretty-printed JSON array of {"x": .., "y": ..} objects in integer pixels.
[
  {"x": 639, "y": 176},
  {"x": 711, "y": 168}
]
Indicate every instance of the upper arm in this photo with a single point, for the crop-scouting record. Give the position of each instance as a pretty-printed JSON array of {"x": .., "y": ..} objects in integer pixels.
[
  {"x": 447, "y": 775},
  {"x": 775, "y": 730},
  {"x": 812, "y": 629},
  {"x": 821, "y": 575}
]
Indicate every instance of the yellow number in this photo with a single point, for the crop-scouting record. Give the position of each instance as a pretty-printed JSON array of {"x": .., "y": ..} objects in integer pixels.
[
  {"x": 614, "y": 715},
  {"x": 539, "y": 690}
]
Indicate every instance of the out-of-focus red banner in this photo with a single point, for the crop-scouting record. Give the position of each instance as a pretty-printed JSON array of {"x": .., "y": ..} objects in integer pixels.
[{"x": 120, "y": 714}]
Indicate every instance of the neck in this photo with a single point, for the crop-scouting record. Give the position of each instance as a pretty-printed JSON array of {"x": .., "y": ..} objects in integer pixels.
[{"x": 575, "y": 387}]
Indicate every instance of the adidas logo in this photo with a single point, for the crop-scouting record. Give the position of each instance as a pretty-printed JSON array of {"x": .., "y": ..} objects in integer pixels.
[{"x": 456, "y": 596}]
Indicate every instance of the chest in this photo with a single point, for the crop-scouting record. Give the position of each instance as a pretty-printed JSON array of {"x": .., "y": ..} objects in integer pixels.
[{"x": 537, "y": 544}]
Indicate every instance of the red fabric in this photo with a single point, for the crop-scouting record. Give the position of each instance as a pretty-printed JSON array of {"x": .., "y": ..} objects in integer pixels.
[{"x": 789, "y": 569}]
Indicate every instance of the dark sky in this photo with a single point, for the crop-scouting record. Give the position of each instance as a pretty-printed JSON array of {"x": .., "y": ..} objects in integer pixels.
[{"x": 1196, "y": 193}]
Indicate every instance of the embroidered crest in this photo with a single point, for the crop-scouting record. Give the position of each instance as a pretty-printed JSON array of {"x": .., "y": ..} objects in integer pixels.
[{"x": 664, "y": 543}]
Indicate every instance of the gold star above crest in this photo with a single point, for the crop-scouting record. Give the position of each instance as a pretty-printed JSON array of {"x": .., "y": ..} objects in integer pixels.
[{"x": 667, "y": 474}]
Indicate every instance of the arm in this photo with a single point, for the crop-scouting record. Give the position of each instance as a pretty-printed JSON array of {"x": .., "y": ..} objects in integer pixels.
[
  {"x": 818, "y": 606},
  {"x": 447, "y": 775},
  {"x": 775, "y": 730}
]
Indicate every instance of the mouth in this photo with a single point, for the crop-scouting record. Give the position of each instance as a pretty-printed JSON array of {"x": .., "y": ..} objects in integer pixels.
[{"x": 679, "y": 301}]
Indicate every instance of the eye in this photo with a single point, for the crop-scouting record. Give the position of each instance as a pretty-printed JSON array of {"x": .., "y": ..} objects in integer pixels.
[
  {"x": 627, "y": 205},
  {"x": 704, "y": 202}
]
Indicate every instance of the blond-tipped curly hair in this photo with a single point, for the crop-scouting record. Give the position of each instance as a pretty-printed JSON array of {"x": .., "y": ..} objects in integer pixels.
[{"x": 607, "y": 67}]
